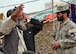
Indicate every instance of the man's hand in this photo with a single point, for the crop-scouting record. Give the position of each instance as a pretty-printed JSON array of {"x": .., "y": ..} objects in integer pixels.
[
  {"x": 17, "y": 12},
  {"x": 55, "y": 45},
  {"x": 26, "y": 16}
]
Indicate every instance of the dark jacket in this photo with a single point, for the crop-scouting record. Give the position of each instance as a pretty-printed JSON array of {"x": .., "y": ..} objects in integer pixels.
[
  {"x": 11, "y": 42},
  {"x": 30, "y": 33}
]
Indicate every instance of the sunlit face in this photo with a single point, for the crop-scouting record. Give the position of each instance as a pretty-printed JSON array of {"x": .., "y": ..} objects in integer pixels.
[{"x": 60, "y": 16}]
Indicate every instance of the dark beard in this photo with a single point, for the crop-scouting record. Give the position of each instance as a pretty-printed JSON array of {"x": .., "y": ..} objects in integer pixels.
[
  {"x": 21, "y": 25},
  {"x": 60, "y": 18}
]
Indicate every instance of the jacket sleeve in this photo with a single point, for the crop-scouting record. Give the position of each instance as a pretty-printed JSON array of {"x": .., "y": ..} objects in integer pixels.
[
  {"x": 7, "y": 25},
  {"x": 69, "y": 42},
  {"x": 37, "y": 26}
]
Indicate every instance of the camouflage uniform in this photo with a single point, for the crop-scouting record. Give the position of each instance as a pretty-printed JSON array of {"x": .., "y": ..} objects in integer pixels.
[{"x": 67, "y": 43}]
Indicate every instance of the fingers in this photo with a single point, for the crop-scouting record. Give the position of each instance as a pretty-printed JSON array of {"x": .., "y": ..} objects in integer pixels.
[
  {"x": 54, "y": 46},
  {"x": 21, "y": 7}
]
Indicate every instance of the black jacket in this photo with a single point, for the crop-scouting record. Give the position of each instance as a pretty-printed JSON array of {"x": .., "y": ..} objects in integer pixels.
[{"x": 30, "y": 33}]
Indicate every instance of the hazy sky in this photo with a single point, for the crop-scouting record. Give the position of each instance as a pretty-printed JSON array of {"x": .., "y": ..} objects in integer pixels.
[{"x": 29, "y": 7}]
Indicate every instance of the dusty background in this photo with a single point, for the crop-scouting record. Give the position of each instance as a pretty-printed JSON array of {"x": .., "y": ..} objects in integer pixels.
[{"x": 43, "y": 39}]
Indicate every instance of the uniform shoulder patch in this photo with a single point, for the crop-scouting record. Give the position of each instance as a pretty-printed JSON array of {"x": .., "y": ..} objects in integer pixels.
[{"x": 72, "y": 34}]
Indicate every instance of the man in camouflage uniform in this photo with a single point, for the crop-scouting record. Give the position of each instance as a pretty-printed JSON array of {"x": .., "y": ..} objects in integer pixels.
[{"x": 65, "y": 33}]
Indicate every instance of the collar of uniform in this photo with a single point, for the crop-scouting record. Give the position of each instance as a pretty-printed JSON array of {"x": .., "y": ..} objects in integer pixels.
[
  {"x": 60, "y": 26},
  {"x": 66, "y": 21}
]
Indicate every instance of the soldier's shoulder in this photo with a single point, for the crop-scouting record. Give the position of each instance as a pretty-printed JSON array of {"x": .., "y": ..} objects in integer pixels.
[{"x": 71, "y": 24}]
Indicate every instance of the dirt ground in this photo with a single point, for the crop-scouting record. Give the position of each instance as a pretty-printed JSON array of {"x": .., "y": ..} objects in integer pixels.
[{"x": 43, "y": 39}]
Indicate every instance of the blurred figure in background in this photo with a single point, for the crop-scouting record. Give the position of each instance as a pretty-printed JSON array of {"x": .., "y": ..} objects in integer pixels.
[{"x": 1, "y": 35}]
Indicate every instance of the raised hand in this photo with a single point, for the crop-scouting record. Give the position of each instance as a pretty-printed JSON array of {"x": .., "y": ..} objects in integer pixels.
[{"x": 16, "y": 13}]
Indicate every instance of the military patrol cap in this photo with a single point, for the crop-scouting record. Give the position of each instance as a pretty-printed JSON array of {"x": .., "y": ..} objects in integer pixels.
[{"x": 62, "y": 7}]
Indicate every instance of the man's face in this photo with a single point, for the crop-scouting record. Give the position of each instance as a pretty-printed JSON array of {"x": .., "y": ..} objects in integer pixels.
[
  {"x": 60, "y": 16},
  {"x": 21, "y": 25},
  {"x": 22, "y": 21}
]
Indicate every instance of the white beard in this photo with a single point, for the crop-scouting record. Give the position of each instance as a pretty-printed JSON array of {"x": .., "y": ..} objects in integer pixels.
[{"x": 21, "y": 25}]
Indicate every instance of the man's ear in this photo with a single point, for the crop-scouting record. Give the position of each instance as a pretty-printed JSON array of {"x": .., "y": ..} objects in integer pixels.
[{"x": 65, "y": 14}]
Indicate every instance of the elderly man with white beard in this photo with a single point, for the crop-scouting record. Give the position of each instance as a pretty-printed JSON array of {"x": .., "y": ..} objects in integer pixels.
[{"x": 12, "y": 29}]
